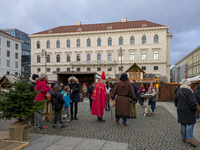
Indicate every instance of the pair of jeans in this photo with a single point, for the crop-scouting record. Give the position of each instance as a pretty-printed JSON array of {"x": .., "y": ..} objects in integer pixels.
[
  {"x": 141, "y": 100},
  {"x": 197, "y": 116},
  {"x": 189, "y": 131},
  {"x": 56, "y": 113},
  {"x": 108, "y": 103},
  {"x": 71, "y": 108},
  {"x": 65, "y": 111},
  {"x": 124, "y": 120},
  {"x": 38, "y": 118},
  {"x": 153, "y": 105}
]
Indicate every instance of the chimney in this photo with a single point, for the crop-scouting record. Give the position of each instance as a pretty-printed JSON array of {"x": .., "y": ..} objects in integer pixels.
[
  {"x": 123, "y": 19},
  {"x": 78, "y": 23}
]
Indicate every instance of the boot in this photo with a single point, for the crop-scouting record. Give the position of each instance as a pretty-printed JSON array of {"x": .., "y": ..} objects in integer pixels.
[
  {"x": 191, "y": 142},
  {"x": 75, "y": 118},
  {"x": 71, "y": 118},
  {"x": 101, "y": 120}
]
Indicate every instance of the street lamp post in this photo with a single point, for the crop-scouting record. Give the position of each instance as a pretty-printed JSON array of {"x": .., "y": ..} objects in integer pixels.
[
  {"x": 44, "y": 53},
  {"x": 121, "y": 59}
]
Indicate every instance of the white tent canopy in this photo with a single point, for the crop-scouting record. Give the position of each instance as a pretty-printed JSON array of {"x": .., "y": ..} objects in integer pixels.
[{"x": 194, "y": 79}]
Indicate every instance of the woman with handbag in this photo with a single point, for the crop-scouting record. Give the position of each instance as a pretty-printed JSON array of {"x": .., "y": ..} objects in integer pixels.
[{"x": 185, "y": 102}]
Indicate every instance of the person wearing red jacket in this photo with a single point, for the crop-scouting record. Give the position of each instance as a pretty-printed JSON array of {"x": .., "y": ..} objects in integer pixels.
[
  {"x": 142, "y": 90},
  {"x": 41, "y": 86}
]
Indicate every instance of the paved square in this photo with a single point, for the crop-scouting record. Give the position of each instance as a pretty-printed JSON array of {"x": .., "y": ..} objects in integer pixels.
[{"x": 160, "y": 131}]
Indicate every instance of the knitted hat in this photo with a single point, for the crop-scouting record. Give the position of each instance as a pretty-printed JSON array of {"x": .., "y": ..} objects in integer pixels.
[
  {"x": 185, "y": 81},
  {"x": 43, "y": 75},
  {"x": 34, "y": 76},
  {"x": 56, "y": 85}
]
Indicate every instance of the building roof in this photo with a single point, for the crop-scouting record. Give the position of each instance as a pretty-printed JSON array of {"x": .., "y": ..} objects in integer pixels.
[
  {"x": 101, "y": 27},
  {"x": 198, "y": 48},
  {"x": 9, "y": 35}
]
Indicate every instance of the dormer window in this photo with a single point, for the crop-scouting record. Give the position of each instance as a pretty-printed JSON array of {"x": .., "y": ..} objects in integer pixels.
[
  {"x": 49, "y": 31},
  {"x": 79, "y": 29},
  {"x": 109, "y": 27},
  {"x": 144, "y": 25}
]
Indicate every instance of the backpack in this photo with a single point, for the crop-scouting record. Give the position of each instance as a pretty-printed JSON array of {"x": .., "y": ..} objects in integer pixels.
[{"x": 53, "y": 101}]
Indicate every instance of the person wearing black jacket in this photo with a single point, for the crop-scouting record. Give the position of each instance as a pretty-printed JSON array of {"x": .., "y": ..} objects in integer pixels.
[
  {"x": 57, "y": 104},
  {"x": 90, "y": 90},
  {"x": 74, "y": 95},
  {"x": 185, "y": 102},
  {"x": 177, "y": 88}
]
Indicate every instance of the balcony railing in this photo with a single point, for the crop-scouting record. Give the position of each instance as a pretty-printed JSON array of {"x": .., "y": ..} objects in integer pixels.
[{"x": 100, "y": 62}]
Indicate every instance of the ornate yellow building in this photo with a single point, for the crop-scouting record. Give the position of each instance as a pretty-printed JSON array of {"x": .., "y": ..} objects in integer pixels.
[{"x": 96, "y": 47}]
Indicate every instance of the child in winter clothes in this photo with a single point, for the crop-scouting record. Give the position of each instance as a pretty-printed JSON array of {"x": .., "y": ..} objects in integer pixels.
[
  {"x": 57, "y": 104},
  {"x": 67, "y": 99}
]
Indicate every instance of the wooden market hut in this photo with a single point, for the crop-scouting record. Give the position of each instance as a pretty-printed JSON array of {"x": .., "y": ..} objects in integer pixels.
[
  {"x": 83, "y": 77},
  {"x": 5, "y": 82}
]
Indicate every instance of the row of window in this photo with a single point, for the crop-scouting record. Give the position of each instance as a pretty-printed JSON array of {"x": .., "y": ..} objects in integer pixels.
[
  {"x": 8, "y": 73},
  {"x": 109, "y": 57},
  {"x": 8, "y": 54},
  {"x": 89, "y": 69},
  {"x": 8, "y": 45},
  {"x": 8, "y": 63},
  {"x": 78, "y": 42}
]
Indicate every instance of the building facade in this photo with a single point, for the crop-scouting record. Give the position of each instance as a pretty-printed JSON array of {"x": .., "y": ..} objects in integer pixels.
[
  {"x": 101, "y": 47},
  {"x": 10, "y": 52},
  {"x": 25, "y": 49},
  {"x": 189, "y": 66}
]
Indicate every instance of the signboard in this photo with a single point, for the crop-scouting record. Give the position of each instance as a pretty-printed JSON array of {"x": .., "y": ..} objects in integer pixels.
[{"x": 52, "y": 77}]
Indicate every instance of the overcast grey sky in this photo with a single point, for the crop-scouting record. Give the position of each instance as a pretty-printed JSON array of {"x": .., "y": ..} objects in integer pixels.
[{"x": 183, "y": 16}]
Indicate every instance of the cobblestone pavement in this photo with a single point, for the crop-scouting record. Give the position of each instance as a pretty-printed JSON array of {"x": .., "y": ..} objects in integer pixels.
[{"x": 158, "y": 132}]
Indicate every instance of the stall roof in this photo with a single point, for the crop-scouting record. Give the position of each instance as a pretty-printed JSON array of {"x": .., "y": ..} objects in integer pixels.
[{"x": 11, "y": 78}]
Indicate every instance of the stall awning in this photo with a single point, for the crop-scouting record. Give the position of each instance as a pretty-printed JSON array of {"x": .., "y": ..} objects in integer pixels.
[{"x": 194, "y": 79}]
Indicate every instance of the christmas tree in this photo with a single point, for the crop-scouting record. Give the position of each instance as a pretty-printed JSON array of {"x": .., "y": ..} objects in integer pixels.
[{"x": 19, "y": 101}]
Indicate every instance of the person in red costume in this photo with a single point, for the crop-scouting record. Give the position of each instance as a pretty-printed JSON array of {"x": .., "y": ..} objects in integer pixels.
[{"x": 99, "y": 97}]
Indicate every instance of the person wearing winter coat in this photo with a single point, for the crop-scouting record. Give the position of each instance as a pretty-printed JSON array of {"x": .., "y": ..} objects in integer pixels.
[
  {"x": 67, "y": 99},
  {"x": 152, "y": 101},
  {"x": 177, "y": 88},
  {"x": 123, "y": 89},
  {"x": 197, "y": 95},
  {"x": 32, "y": 81},
  {"x": 185, "y": 102},
  {"x": 141, "y": 91},
  {"x": 74, "y": 95},
  {"x": 57, "y": 104},
  {"x": 90, "y": 91},
  {"x": 85, "y": 89},
  {"x": 42, "y": 88}
]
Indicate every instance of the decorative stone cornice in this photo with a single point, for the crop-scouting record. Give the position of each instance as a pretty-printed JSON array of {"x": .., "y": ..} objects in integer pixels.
[{"x": 68, "y": 53}]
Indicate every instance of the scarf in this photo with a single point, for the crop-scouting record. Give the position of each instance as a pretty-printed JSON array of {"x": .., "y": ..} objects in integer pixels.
[{"x": 185, "y": 86}]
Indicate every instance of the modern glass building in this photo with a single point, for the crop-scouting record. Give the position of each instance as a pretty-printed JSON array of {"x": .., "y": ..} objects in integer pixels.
[{"x": 25, "y": 49}]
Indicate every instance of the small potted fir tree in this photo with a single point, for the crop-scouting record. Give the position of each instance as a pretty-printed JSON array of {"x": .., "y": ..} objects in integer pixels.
[{"x": 19, "y": 103}]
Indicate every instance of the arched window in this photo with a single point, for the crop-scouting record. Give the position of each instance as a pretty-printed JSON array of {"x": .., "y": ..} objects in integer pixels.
[
  {"x": 109, "y": 56},
  {"x": 58, "y": 44},
  {"x": 88, "y": 57},
  {"x": 144, "y": 39},
  {"x": 88, "y": 42},
  {"x": 98, "y": 57},
  {"x": 78, "y": 43},
  {"x": 68, "y": 43},
  {"x": 132, "y": 40},
  {"x": 144, "y": 56},
  {"x": 38, "y": 44},
  {"x": 38, "y": 58},
  {"x": 78, "y": 57},
  {"x": 68, "y": 58},
  {"x": 155, "y": 38},
  {"x": 48, "y": 58},
  {"x": 48, "y": 44},
  {"x": 121, "y": 41},
  {"x": 109, "y": 41},
  {"x": 58, "y": 58},
  {"x": 132, "y": 56},
  {"x": 155, "y": 55},
  {"x": 98, "y": 42}
]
